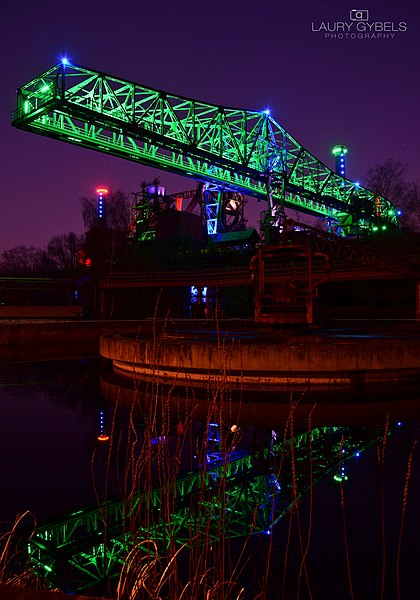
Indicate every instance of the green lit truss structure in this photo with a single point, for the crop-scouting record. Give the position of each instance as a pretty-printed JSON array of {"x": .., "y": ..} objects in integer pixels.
[
  {"x": 236, "y": 150},
  {"x": 235, "y": 496}
]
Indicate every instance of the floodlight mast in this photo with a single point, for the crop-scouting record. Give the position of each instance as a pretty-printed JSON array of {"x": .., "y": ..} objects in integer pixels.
[{"x": 339, "y": 152}]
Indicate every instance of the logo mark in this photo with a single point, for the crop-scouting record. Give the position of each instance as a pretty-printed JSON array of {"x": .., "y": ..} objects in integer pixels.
[{"x": 359, "y": 15}]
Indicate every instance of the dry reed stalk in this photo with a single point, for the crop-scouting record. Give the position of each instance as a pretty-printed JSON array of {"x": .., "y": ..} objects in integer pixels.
[
  {"x": 403, "y": 511},
  {"x": 10, "y": 556}
]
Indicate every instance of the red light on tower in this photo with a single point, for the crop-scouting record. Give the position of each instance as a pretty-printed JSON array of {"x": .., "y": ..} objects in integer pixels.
[{"x": 101, "y": 191}]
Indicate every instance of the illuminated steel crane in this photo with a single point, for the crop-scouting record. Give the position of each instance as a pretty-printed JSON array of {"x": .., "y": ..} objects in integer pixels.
[{"x": 232, "y": 150}]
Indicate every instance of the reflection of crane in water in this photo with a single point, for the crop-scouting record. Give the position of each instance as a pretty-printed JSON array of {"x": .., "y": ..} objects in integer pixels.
[{"x": 233, "y": 494}]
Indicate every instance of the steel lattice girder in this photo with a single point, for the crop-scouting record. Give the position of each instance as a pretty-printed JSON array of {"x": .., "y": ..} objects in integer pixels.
[
  {"x": 240, "y": 150},
  {"x": 233, "y": 499}
]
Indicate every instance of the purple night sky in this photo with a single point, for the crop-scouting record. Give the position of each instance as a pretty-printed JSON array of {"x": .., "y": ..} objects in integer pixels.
[{"x": 362, "y": 93}]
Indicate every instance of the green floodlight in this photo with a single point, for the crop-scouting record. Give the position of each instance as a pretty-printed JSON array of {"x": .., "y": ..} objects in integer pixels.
[
  {"x": 340, "y": 478},
  {"x": 339, "y": 150}
]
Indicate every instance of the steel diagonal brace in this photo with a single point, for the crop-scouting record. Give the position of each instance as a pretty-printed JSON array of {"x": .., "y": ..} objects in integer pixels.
[{"x": 208, "y": 124}]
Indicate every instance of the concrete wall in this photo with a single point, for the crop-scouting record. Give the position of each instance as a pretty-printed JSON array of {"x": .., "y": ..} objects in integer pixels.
[{"x": 313, "y": 354}]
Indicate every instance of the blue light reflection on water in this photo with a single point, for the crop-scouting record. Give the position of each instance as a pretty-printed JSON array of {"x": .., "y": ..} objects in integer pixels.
[{"x": 48, "y": 416}]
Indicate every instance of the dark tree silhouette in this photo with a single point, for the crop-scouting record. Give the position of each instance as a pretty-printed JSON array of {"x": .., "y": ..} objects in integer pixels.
[
  {"x": 63, "y": 249},
  {"x": 389, "y": 180},
  {"x": 25, "y": 260},
  {"x": 117, "y": 211}
]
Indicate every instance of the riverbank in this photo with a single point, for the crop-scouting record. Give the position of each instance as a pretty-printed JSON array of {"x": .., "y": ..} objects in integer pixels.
[{"x": 43, "y": 339}]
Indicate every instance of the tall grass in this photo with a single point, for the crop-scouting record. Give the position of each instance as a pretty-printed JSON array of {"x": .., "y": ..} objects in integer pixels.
[
  {"x": 162, "y": 439},
  {"x": 15, "y": 566}
]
